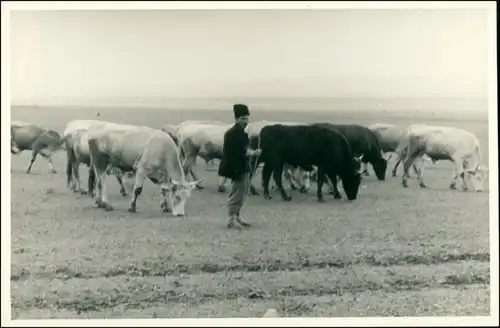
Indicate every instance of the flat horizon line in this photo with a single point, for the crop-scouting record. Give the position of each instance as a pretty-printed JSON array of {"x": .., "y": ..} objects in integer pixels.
[{"x": 278, "y": 109}]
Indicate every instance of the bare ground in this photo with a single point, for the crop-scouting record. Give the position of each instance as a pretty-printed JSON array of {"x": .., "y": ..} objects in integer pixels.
[{"x": 392, "y": 252}]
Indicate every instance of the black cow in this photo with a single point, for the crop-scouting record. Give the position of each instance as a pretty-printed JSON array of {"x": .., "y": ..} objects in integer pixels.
[
  {"x": 363, "y": 141},
  {"x": 305, "y": 146}
]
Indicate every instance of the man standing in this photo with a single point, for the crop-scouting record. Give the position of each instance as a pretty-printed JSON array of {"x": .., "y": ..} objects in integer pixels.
[{"x": 235, "y": 164}]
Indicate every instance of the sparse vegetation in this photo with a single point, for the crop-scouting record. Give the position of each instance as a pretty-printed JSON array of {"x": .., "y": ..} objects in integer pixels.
[{"x": 392, "y": 252}]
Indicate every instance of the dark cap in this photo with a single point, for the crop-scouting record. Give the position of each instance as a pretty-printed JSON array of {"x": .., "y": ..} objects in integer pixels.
[{"x": 240, "y": 110}]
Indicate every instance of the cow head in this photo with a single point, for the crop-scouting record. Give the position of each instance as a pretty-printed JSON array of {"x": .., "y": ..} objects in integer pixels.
[
  {"x": 357, "y": 163},
  {"x": 303, "y": 177},
  {"x": 177, "y": 193},
  {"x": 478, "y": 175},
  {"x": 13, "y": 147},
  {"x": 352, "y": 180},
  {"x": 380, "y": 167},
  {"x": 55, "y": 140}
]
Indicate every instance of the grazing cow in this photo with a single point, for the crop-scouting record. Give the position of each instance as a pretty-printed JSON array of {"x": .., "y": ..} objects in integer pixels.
[
  {"x": 204, "y": 140},
  {"x": 389, "y": 136},
  {"x": 305, "y": 146},
  {"x": 43, "y": 141},
  {"x": 147, "y": 152},
  {"x": 443, "y": 143},
  {"x": 363, "y": 141},
  {"x": 297, "y": 177},
  {"x": 77, "y": 152}
]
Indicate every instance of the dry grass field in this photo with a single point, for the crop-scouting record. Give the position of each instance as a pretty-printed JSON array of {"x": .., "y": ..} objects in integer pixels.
[{"x": 391, "y": 252}]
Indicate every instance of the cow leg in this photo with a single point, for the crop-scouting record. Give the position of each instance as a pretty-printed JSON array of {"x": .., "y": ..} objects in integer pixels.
[
  {"x": 123, "y": 191},
  {"x": 406, "y": 166},
  {"x": 222, "y": 184},
  {"x": 69, "y": 169},
  {"x": 189, "y": 161},
  {"x": 419, "y": 172},
  {"x": 313, "y": 175},
  {"x": 305, "y": 182},
  {"x": 48, "y": 157},
  {"x": 77, "y": 184},
  {"x": 335, "y": 189},
  {"x": 70, "y": 173},
  {"x": 453, "y": 184},
  {"x": 464, "y": 166},
  {"x": 47, "y": 154},
  {"x": 320, "y": 180},
  {"x": 195, "y": 178},
  {"x": 458, "y": 171},
  {"x": 96, "y": 185},
  {"x": 92, "y": 180},
  {"x": 288, "y": 175},
  {"x": 34, "y": 153},
  {"x": 100, "y": 165},
  {"x": 277, "y": 175},
  {"x": 253, "y": 190},
  {"x": 104, "y": 193},
  {"x": 465, "y": 187},
  {"x": 267, "y": 170},
  {"x": 139, "y": 182},
  {"x": 395, "y": 168},
  {"x": 329, "y": 183}
]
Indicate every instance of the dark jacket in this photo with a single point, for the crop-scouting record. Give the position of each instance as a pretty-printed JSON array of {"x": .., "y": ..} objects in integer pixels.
[{"x": 234, "y": 161}]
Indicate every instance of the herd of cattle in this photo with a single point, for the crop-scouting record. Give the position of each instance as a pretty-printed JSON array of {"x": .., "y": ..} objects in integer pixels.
[{"x": 300, "y": 152}]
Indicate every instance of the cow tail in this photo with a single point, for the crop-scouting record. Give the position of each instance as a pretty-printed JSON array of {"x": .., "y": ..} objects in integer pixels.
[
  {"x": 402, "y": 148},
  {"x": 63, "y": 141}
]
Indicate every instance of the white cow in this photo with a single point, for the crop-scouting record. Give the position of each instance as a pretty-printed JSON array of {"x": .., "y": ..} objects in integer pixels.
[
  {"x": 389, "y": 136},
  {"x": 444, "y": 143},
  {"x": 202, "y": 139},
  {"x": 76, "y": 137},
  {"x": 149, "y": 153},
  {"x": 173, "y": 131}
]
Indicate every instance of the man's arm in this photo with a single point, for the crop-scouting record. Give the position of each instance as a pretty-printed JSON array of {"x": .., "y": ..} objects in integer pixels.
[{"x": 251, "y": 152}]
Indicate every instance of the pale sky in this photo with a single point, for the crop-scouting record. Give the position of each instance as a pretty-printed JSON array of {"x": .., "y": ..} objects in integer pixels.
[{"x": 325, "y": 53}]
